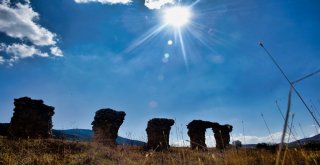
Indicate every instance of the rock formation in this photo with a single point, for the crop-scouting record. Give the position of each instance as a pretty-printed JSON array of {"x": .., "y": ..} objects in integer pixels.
[
  {"x": 31, "y": 119},
  {"x": 158, "y": 131},
  {"x": 106, "y": 125},
  {"x": 222, "y": 135},
  {"x": 4, "y": 127},
  {"x": 196, "y": 132}
]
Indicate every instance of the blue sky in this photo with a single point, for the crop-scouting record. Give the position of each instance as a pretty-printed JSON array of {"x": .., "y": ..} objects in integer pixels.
[{"x": 77, "y": 57}]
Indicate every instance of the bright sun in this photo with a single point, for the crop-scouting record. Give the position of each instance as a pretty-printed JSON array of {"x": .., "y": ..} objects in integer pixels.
[{"x": 177, "y": 16}]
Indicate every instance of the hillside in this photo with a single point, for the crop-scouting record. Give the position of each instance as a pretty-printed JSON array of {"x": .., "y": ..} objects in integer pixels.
[
  {"x": 315, "y": 138},
  {"x": 86, "y": 135}
]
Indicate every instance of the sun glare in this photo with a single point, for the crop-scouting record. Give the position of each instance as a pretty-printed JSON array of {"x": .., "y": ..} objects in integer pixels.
[{"x": 177, "y": 16}]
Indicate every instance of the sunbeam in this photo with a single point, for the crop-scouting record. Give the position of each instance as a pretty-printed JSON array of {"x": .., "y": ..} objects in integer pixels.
[
  {"x": 147, "y": 36},
  {"x": 180, "y": 20},
  {"x": 194, "y": 3},
  {"x": 183, "y": 50}
]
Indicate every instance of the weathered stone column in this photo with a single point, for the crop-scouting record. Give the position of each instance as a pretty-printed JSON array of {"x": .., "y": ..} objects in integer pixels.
[
  {"x": 4, "y": 127},
  {"x": 106, "y": 125},
  {"x": 158, "y": 131},
  {"x": 31, "y": 119},
  {"x": 196, "y": 132},
  {"x": 222, "y": 135}
]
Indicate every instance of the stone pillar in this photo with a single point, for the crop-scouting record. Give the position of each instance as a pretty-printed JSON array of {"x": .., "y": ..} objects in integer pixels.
[
  {"x": 158, "y": 131},
  {"x": 106, "y": 125},
  {"x": 31, "y": 119},
  {"x": 196, "y": 132},
  {"x": 222, "y": 135},
  {"x": 4, "y": 127}
]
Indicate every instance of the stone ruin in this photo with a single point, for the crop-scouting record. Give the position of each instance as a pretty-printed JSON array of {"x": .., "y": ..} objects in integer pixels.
[
  {"x": 4, "y": 129},
  {"x": 197, "y": 130},
  {"x": 31, "y": 119},
  {"x": 106, "y": 125},
  {"x": 222, "y": 135},
  {"x": 158, "y": 132}
]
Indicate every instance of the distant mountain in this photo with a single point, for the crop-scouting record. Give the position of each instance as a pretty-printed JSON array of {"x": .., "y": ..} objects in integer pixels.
[
  {"x": 304, "y": 141},
  {"x": 315, "y": 138},
  {"x": 249, "y": 145},
  {"x": 86, "y": 135},
  {"x": 73, "y": 134}
]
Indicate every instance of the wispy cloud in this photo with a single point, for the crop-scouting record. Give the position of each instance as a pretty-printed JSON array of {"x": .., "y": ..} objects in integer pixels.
[
  {"x": 19, "y": 21},
  {"x": 272, "y": 138},
  {"x": 56, "y": 51},
  {"x": 157, "y": 4},
  {"x": 105, "y": 1},
  {"x": 1, "y": 60},
  {"x": 151, "y": 4},
  {"x": 216, "y": 59}
]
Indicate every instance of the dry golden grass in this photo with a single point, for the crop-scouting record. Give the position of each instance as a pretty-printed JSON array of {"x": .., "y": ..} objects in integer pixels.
[{"x": 67, "y": 152}]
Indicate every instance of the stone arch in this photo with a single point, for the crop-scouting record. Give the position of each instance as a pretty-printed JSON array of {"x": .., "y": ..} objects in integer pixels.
[
  {"x": 197, "y": 129},
  {"x": 106, "y": 125},
  {"x": 196, "y": 132},
  {"x": 158, "y": 131}
]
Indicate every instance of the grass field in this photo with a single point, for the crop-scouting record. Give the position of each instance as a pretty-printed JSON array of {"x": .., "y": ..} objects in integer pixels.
[{"x": 68, "y": 152}]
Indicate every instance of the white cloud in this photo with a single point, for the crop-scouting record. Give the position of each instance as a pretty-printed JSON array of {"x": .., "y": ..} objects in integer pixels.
[
  {"x": 2, "y": 46},
  {"x": 105, "y": 1},
  {"x": 151, "y": 4},
  {"x": 157, "y": 4},
  {"x": 180, "y": 143},
  {"x": 1, "y": 60},
  {"x": 248, "y": 139},
  {"x": 56, "y": 51},
  {"x": 18, "y": 22},
  {"x": 19, "y": 51},
  {"x": 23, "y": 51},
  {"x": 273, "y": 138}
]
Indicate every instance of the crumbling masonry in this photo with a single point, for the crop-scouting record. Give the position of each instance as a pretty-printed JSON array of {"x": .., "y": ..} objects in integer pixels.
[
  {"x": 158, "y": 131},
  {"x": 31, "y": 119},
  {"x": 197, "y": 129},
  {"x": 222, "y": 135},
  {"x": 196, "y": 132},
  {"x": 106, "y": 125}
]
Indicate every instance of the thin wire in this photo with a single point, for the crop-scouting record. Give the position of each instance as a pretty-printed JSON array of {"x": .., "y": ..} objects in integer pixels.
[
  {"x": 307, "y": 76},
  {"x": 244, "y": 137},
  {"x": 304, "y": 136},
  {"x": 278, "y": 107},
  {"x": 305, "y": 104},
  {"x": 291, "y": 84},
  {"x": 315, "y": 127},
  {"x": 314, "y": 107},
  {"x": 267, "y": 128},
  {"x": 275, "y": 62},
  {"x": 291, "y": 129}
]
